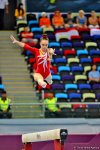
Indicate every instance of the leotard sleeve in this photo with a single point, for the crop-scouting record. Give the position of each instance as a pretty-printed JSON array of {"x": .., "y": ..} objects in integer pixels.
[{"x": 31, "y": 49}]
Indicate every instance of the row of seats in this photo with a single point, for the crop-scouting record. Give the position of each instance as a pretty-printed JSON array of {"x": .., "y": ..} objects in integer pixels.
[
  {"x": 69, "y": 38},
  {"x": 90, "y": 112},
  {"x": 69, "y": 86},
  {"x": 74, "y": 57},
  {"x": 37, "y": 16},
  {"x": 85, "y": 33}
]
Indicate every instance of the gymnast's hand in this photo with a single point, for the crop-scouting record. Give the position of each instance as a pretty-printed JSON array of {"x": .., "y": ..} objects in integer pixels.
[
  {"x": 52, "y": 51},
  {"x": 13, "y": 39},
  {"x": 21, "y": 44}
]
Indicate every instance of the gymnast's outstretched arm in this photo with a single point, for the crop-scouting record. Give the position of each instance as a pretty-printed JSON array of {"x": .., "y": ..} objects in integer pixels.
[{"x": 21, "y": 44}]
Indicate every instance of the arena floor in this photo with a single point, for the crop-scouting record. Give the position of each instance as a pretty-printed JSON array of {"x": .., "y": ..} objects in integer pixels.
[
  {"x": 83, "y": 134},
  {"x": 74, "y": 126}
]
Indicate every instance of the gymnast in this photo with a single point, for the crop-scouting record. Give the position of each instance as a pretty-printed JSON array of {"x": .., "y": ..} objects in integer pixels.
[{"x": 43, "y": 60}]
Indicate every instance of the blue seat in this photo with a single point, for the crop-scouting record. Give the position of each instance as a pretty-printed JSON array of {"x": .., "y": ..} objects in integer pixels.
[
  {"x": 54, "y": 44},
  {"x": 56, "y": 78},
  {"x": 71, "y": 87},
  {"x": 77, "y": 69},
  {"x": 78, "y": 45},
  {"x": 63, "y": 68},
  {"x": 51, "y": 36},
  {"x": 32, "y": 22},
  {"x": 38, "y": 36},
  {"x": 84, "y": 86},
  {"x": 2, "y": 87},
  {"x": 38, "y": 29},
  {"x": 85, "y": 60},
  {"x": 66, "y": 44},
  {"x": 82, "y": 52},
  {"x": 86, "y": 37},
  {"x": 96, "y": 86},
  {"x": 58, "y": 52},
  {"x": 96, "y": 37},
  {"x": 75, "y": 96},
  {"x": 60, "y": 60},
  {"x": 57, "y": 86},
  {"x": 94, "y": 53},
  {"x": 93, "y": 106},
  {"x": 67, "y": 78},
  {"x": 61, "y": 97}
]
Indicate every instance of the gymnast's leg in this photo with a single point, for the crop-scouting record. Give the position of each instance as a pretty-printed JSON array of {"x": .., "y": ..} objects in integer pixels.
[{"x": 39, "y": 78}]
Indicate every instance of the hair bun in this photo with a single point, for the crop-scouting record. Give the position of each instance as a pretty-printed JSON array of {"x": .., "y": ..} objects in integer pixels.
[{"x": 44, "y": 36}]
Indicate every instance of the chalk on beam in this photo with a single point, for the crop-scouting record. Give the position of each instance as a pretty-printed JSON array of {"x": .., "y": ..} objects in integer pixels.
[{"x": 41, "y": 136}]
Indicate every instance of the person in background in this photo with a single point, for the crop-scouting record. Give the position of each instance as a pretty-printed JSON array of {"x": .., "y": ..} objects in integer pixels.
[
  {"x": 20, "y": 13},
  {"x": 3, "y": 9},
  {"x": 69, "y": 23},
  {"x": 27, "y": 37},
  {"x": 94, "y": 75},
  {"x": 93, "y": 20},
  {"x": 81, "y": 20},
  {"x": 44, "y": 21},
  {"x": 57, "y": 20},
  {"x": 5, "y": 106},
  {"x": 51, "y": 105}
]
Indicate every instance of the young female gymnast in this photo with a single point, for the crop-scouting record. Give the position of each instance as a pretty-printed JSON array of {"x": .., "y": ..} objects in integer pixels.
[{"x": 43, "y": 59}]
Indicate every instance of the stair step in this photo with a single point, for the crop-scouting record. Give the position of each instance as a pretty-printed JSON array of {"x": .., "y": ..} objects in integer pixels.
[
  {"x": 14, "y": 74},
  {"x": 15, "y": 71},
  {"x": 19, "y": 83},
  {"x": 7, "y": 77},
  {"x": 16, "y": 78},
  {"x": 19, "y": 87},
  {"x": 12, "y": 59},
  {"x": 19, "y": 92},
  {"x": 22, "y": 95},
  {"x": 10, "y": 64}
]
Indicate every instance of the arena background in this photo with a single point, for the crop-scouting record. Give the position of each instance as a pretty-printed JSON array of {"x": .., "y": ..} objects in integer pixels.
[
  {"x": 11, "y": 130},
  {"x": 62, "y": 5}
]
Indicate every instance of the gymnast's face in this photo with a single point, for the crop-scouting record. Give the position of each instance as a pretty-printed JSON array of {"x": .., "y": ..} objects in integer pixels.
[{"x": 44, "y": 45}]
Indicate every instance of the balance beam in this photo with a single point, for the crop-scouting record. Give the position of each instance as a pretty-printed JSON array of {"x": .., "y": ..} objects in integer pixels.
[{"x": 58, "y": 136}]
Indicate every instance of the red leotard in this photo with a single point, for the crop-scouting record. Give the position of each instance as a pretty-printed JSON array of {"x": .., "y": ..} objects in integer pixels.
[{"x": 42, "y": 62}]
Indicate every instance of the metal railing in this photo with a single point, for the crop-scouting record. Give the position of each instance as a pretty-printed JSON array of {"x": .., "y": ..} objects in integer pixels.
[{"x": 37, "y": 110}]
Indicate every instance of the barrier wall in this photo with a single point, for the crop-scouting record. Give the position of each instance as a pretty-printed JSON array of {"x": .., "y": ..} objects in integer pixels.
[{"x": 74, "y": 142}]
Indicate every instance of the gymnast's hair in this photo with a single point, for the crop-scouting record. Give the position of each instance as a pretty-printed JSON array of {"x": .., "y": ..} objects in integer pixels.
[{"x": 44, "y": 37}]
